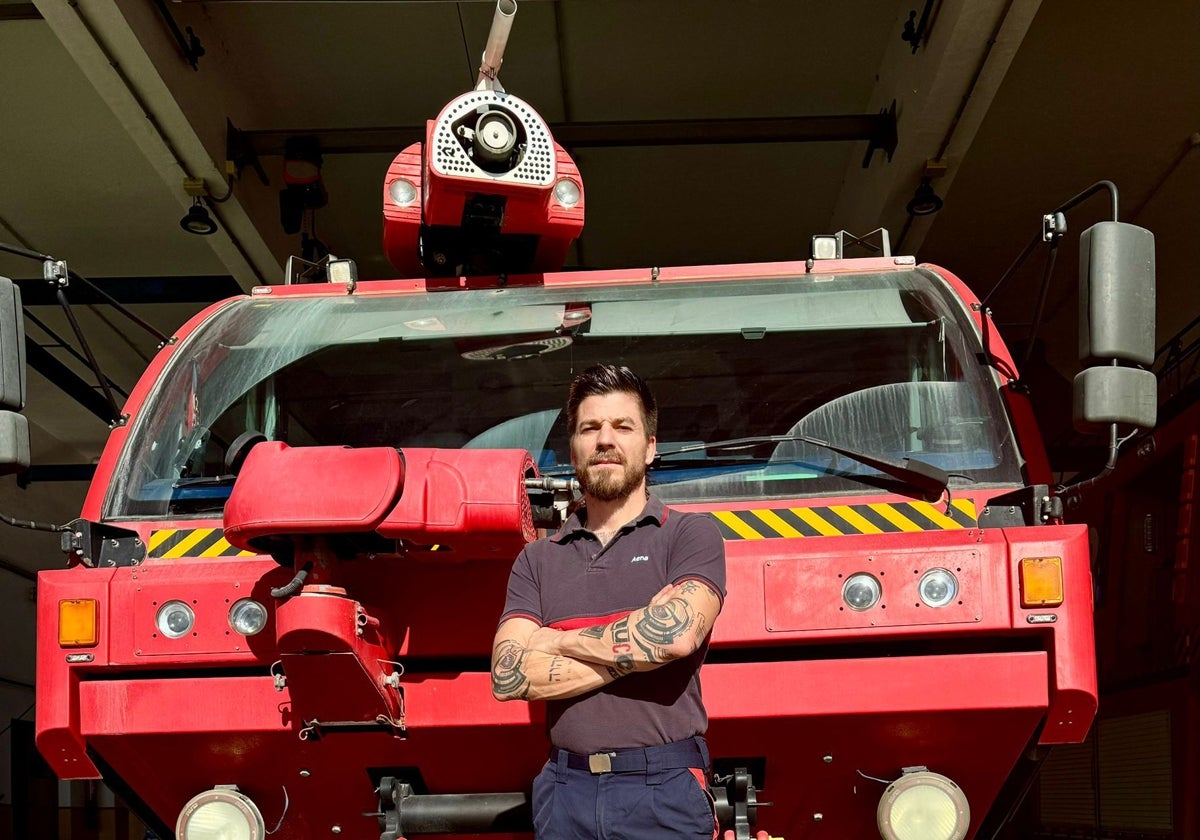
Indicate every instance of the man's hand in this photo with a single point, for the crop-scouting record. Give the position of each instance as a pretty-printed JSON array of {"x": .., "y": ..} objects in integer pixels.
[{"x": 673, "y": 625}]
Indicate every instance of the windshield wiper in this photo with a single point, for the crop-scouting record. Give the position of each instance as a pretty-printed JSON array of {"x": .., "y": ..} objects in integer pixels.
[{"x": 926, "y": 478}]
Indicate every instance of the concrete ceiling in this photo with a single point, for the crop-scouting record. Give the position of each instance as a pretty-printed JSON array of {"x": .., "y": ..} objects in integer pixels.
[{"x": 1023, "y": 103}]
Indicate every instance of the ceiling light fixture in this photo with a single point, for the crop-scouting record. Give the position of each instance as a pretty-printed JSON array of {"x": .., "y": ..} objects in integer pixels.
[
  {"x": 925, "y": 202},
  {"x": 197, "y": 220}
]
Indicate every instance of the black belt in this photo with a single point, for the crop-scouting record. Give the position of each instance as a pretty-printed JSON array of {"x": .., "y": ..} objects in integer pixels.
[{"x": 674, "y": 756}]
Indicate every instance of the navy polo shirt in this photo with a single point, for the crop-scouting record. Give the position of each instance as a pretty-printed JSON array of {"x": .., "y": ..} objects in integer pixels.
[{"x": 569, "y": 581}]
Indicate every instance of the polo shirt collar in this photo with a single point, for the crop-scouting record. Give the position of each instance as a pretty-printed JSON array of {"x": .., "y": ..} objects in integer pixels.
[{"x": 654, "y": 511}]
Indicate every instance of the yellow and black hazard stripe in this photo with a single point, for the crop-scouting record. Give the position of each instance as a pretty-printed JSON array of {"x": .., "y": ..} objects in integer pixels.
[
  {"x": 193, "y": 542},
  {"x": 842, "y": 520}
]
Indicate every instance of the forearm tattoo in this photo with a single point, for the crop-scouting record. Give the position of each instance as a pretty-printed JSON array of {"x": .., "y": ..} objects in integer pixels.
[
  {"x": 596, "y": 632},
  {"x": 665, "y": 623},
  {"x": 622, "y": 650},
  {"x": 508, "y": 670}
]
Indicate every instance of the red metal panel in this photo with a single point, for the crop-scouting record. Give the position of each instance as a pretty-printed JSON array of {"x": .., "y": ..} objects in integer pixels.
[
  {"x": 805, "y": 592},
  {"x": 1074, "y": 687},
  {"x": 57, "y": 688},
  {"x": 821, "y": 725},
  {"x": 488, "y": 515},
  {"x": 210, "y": 587}
]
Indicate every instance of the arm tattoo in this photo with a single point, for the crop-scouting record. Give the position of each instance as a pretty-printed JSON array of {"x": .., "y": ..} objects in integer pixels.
[
  {"x": 555, "y": 672},
  {"x": 653, "y": 654},
  {"x": 623, "y": 658},
  {"x": 508, "y": 674},
  {"x": 689, "y": 587},
  {"x": 664, "y": 624},
  {"x": 596, "y": 632}
]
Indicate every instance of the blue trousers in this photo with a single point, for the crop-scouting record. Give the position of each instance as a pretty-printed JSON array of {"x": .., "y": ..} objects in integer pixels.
[{"x": 572, "y": 803}]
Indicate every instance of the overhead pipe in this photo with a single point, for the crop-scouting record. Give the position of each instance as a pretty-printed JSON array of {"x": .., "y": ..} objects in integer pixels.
[{"x": 493, "y": 52}]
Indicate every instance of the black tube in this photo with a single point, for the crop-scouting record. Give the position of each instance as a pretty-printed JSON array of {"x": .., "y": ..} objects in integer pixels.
[
  {"x": 465, "y": 813},
  {"x": 1041, "y": 307},
  {"x": 87, "y": 351},
  {"x": 292, "y": 586},
  {"x": 117, "y": 305},
  {"x": 1090, "y": 191},
  {"x": 30, "y": 525}
]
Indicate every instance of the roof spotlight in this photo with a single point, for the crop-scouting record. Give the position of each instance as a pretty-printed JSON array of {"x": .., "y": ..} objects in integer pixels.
[
  {"x": 197, "y": 220},
  {"x": 922, "y": 805}
]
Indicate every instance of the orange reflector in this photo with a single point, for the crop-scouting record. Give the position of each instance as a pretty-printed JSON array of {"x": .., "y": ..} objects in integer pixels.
[
  {"x": 1041, "y": 582},
  {"x": 77, "y": 622}
]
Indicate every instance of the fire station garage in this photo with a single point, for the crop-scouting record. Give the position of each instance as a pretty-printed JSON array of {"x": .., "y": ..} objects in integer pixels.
[{"x": 291, "y": 293}]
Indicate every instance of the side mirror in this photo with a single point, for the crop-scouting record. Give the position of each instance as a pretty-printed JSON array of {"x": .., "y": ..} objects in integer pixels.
[
  {"x": 1116, "y": 327},
  {"x": 14, "y": 428}
]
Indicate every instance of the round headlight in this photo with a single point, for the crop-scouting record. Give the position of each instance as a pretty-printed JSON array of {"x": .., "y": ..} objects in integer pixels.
[
  {"x": 566, "y": 193},
  {"x": 247, "y": 617},
  {"x": 402, "y": 192},
  {"x": 938, "y": 587},
  {"x": 921, "y": 805},
  {"x": 861, "y": 591},
  {"x": 220, "y": 814},
  {"x": 175, "y": 619}
]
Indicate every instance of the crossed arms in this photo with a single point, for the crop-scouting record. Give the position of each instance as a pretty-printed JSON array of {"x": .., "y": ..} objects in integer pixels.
[{"x": 530, "y": 662}]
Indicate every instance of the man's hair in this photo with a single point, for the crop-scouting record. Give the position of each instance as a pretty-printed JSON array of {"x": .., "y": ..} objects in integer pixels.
[{"x": 599, "y": 380}]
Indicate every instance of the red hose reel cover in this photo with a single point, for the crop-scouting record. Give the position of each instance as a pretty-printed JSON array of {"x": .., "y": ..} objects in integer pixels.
[
  {"x": 284, "y": 491},
  {"x": 470, "y": 502}
]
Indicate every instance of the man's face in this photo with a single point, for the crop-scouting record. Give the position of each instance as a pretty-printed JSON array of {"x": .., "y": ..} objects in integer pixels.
[{"x": 610, "y": 449}]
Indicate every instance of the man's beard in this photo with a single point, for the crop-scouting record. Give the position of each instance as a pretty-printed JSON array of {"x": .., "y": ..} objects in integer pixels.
[{"x": 607, "y": 486}]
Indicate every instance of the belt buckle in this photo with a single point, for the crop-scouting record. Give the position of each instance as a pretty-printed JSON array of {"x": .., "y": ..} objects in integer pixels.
[{"x": 600, "y": 763}]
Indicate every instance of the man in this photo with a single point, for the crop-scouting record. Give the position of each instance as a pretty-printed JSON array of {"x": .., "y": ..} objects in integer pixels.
[{"x": 608, "y": 620}]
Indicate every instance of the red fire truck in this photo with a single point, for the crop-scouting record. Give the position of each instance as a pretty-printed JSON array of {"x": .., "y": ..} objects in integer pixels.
[{"x": 282, "y": 590}]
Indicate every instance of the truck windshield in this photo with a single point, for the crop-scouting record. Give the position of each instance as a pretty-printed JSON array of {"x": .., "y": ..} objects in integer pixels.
[{"x": 881, "y": 363}]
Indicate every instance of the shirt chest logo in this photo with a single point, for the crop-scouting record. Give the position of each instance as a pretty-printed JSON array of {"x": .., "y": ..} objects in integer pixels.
[{"x": 640, "y": 558}]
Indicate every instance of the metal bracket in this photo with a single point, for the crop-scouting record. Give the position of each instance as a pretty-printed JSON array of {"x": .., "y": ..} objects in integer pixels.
[
  {"x": 1054, "y": 225},
  {"x": 55, "y": 273},
  {"x": 102, "y": 546},
  {"x": 1032, "y": 505},
  {"x": 736, "y": 799}
]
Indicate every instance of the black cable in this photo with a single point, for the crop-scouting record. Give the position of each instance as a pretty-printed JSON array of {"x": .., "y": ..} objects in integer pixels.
[
  {"x": 1041, "y": 305},
  {"x": 30, "y": 525},
  {"x": 466, "y": 47},
  {"x": 87, "y": 351}
]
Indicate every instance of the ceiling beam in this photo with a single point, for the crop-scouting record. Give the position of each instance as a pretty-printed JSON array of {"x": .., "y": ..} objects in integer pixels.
[
  {"x": 19, "y": 11},
  {"x": 943, "y": 91},
  {"x": 203, "y": 288},
  {"x": 107, "y": 50}
]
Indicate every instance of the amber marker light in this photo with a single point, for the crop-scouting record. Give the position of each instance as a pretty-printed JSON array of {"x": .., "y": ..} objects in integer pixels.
[
  {"x": 1041, "y": 582},
  {"x": 77, "y": 622}
]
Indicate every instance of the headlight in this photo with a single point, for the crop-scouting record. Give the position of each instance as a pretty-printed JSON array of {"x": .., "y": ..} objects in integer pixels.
[
  {"x": 921, "y": 805},
  {"x": 861, "y": 591},
  {"x": 247, "y": 617},
  {"x": 566, "y": 193},
  {"x": 402, "y": 192},
  {"x": 222, "y": 813},
  {"x": 938, "y": 587},
  {"x": 175, "y": 619}
]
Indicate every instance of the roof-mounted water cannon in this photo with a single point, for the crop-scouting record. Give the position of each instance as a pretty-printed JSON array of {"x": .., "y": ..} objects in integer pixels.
[{"x": 489, "y": 191}]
